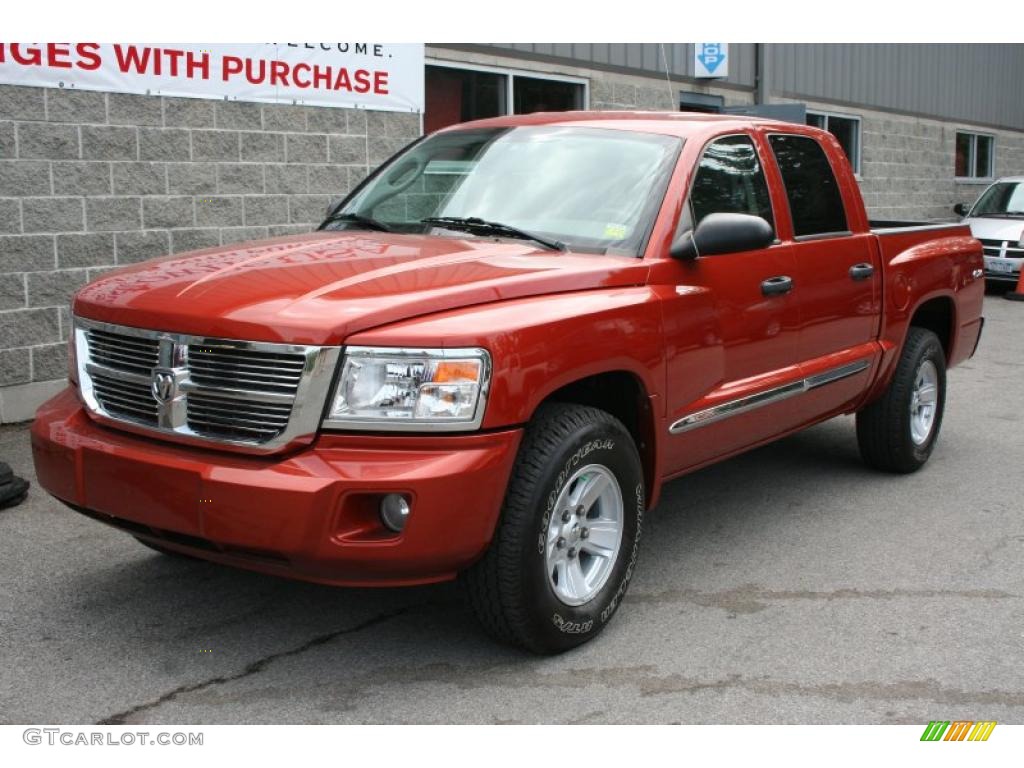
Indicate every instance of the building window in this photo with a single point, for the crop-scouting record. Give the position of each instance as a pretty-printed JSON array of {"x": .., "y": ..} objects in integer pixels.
[
  {"x": 974, "y": 155},
  {"x": 845, "y": 128},
  {"x": 532, "y": 94},
  {"x": 457, "y": 94}
]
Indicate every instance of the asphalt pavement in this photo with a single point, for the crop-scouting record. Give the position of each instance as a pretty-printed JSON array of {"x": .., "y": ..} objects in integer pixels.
[{"x": 788, "y": 585}]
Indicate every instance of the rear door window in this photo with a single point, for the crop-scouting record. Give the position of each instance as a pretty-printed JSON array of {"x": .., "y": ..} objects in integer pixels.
[{"x": 811, "y": 187}]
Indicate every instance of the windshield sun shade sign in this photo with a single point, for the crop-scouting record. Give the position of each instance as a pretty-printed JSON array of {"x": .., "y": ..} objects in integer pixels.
[{"x": 363, "y": 75}]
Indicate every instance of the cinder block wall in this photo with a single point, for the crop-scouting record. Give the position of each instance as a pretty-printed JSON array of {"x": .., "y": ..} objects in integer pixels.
[{"x": 90, "y": 181}]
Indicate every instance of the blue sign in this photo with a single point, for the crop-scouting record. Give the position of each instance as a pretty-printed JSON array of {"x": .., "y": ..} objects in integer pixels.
[{"x": 711, "y": 59}]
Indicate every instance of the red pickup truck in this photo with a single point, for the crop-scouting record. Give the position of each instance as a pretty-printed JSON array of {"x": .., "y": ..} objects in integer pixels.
[{"x": 495, "y": 351}]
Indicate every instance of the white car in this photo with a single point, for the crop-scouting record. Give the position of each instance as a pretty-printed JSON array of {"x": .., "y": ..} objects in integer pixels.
[{"x": 997, "y": 220}]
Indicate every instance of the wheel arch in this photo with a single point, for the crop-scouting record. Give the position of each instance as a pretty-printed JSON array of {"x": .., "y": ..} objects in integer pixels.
[
  {"x": 625, "y": 396},
  {"x": 938, "y": 315}
]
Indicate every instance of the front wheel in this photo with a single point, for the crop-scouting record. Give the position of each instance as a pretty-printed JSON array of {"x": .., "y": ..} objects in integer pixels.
[
  {"x": 898, "y": 431},
  {"x": 566, "y": 544}
]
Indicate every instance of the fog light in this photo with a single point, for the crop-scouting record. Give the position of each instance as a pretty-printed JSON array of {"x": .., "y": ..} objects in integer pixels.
[{"x": 394, "y": 511}]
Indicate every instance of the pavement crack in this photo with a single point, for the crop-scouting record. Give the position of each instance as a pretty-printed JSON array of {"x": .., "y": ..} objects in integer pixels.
[{"x": 253, "y": 668}]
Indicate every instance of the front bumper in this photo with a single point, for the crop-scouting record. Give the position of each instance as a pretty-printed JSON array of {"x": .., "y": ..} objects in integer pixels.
[
  {"x": 1002, "y": 269},
  {"x": 310, "y": 514}
]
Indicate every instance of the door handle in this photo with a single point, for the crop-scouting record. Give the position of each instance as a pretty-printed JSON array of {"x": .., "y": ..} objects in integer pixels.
[
  {"x": 861, "y": 271},
  {"x": 776, "y": 286}
]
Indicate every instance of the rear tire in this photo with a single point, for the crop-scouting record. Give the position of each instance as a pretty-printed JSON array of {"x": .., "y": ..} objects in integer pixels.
[
  {"x": 566, "y": 544},
  {"x": 897, "y": 432}
]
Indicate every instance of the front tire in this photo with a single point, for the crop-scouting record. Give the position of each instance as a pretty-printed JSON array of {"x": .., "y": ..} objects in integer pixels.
[
  {"x": 566, "y": 544},
  {"x": 897, "y": 432}
]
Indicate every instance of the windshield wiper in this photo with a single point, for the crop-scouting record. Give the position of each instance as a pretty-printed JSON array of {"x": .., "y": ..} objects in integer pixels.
[
  {"x": 475, "y": 225},
  {"x": 355, "y": 218}
]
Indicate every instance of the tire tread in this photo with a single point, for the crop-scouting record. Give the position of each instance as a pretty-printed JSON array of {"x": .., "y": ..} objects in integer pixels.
[
  {"x": 493, "y": 584},
  {"x": 883, "y": 426}
]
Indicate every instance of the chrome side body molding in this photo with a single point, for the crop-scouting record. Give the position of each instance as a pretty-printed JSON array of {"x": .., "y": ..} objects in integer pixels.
[{"x": 767, "y": 397}]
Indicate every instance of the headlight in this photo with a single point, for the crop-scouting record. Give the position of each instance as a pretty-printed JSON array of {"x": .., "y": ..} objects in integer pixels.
[{"x": 410, "y": 389}]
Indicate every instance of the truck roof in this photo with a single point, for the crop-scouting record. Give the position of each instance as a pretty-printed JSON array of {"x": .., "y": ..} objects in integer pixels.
[{"x": 682, "y": 124}]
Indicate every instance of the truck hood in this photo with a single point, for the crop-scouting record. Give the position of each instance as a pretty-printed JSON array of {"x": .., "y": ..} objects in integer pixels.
[
  {"x": 997, "y": 229},
  {"x": 322, "y": 287}
]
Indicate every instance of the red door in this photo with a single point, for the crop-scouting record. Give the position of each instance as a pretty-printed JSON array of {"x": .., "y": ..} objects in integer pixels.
[
  {"x": 837, "y": 272},
  {"x": 727, "y": 392}
]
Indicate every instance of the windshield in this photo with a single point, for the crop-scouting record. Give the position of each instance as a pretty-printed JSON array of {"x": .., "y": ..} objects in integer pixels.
[
  {"x": 1005, "y": 198},
  {"x": 589, "y": 189}
]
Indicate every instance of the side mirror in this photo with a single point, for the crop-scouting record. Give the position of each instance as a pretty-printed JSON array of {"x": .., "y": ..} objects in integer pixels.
[
  {"x": 961, "y": 209},
  {"x": 723, "y": 233}
]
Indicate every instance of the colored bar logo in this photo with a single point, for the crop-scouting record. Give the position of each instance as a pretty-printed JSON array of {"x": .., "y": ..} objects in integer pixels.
[{"x": 958, "y": 730}]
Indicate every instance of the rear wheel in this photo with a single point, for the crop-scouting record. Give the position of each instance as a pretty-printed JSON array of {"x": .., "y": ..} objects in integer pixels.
[
  {"x": 566, "y": 544},
  {"x": 898, "y": 431}
]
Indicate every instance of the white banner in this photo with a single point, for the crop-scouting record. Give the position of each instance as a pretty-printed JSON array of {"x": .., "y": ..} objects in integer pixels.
[{"x": 364, "y": 75}]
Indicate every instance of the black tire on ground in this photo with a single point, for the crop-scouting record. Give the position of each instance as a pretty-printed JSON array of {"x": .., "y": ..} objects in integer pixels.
[
  {"x": 884, "y": 428},
  {"x": 163, "y": 550},
  {"x": 509, "y": 588}
]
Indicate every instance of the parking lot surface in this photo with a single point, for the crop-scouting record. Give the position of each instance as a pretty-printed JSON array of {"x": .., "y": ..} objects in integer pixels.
[{"x": 788, "y": 585}]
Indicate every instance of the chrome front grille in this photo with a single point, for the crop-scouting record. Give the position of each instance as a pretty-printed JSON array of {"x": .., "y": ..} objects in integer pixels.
[
  {"x": 237, "y": 419},
  {"x": 1007, "y": 249},
  {"x": 255, "y": 396},
  {"x": 262, "y": 372},
  {"x": 134, "y": 354},
  {"x": 125, "y": 399}
]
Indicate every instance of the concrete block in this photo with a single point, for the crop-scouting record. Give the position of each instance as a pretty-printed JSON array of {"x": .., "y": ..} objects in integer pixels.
[
  {"x": 22, "y": 103},
  {"x": 52, "y": 214},
  {"x": 286, "y": 179},
  {"x": 263, "y": 147},
  {"x": 134, "y": 109},
  {"x": 188, "y": 113},
  {"x": 107, "y": 214},
  {"x": 305, "y": 148},
  {"x": 191, "y": 178},
  {"x": 139, "y": 178},
  {"x": 48, "y": 141},
  {"x": 262, "y": 210},
  {"x": 50, "y": 362},
  {"x": 88, "y": 250},
  {"x": 167, "y": 212},
  {"x": 26, "y": 253},
  {"x": 81, "y": 178},
  {"x": 12, "y": 291},
  {"x": 67, "y": 105},
  {"x": 164, "y": 144},
  {"x": 133, "y": 247},
  {"x": 347, "y": 150},
  {"x": 219, "y": 211},
  {"x": 238, "y": 115},
  {"x": 215, "y": 145},
  {"x": 10, "y": 216},
  {"x": 109, "y": 142},
  {"x": 194, "y": 239},
  {"x": 28, "y": 327},
  {"x": 53, "y": 289},
  {"x": 240, "y": 178},
  {"x": 15, "y": 366}
]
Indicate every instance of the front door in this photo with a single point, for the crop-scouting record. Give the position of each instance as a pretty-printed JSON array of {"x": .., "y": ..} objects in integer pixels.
[{"x": 729, "y": 393}]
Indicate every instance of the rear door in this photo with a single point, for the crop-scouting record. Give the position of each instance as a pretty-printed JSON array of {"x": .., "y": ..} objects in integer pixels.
[{"x": 837, "y": 272}]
